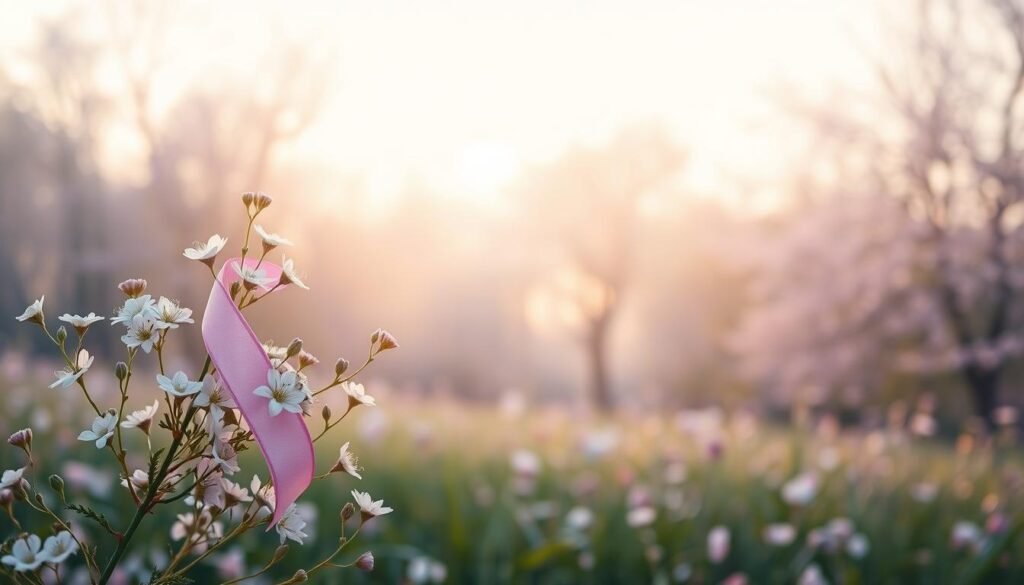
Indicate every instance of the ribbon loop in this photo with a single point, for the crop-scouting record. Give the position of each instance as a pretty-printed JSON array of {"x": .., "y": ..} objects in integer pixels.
[{"x": 242, "y": 365}]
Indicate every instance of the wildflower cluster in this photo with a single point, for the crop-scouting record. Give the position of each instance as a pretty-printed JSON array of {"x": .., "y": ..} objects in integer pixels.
[{"x": 193, "y": 435}]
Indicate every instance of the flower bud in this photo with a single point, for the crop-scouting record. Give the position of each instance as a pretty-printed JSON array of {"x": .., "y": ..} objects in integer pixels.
[
  {"x": 326, "y": 413},
  {"x": 62, "y": 335},
  {"x": 121, "y": 370},
  {"x": 247, "y": 198},
  {"x": 293, "y": 348},
  {"x": 299, "y": 577},
  {"x": 262, "y": 201},
  {"x": 307, "y": 359},
  {"x": 22, "y": 439},
  {"x": 384, "y": 341},
  {"x": 340, "y": 367},
  {"x": 21, "y": 490},
  {"x": 57, "y": 483},
  {"x": 133, "y": 287},
  {"x": 347, "y": 512},
  {"x": 235, "y": 288},
  {"x": 279, "y": 553},
  {"x": 365, "y": 562},
  {"x": 6, "y": 498}
]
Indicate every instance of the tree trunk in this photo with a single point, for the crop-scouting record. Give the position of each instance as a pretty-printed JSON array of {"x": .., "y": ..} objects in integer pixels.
[
  {"x": 984, "y": 385},
  {"x": 596, "y": 347}
]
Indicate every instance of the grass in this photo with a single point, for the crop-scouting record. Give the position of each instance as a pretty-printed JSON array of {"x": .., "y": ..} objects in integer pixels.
[{"x": 447, "y": 470}]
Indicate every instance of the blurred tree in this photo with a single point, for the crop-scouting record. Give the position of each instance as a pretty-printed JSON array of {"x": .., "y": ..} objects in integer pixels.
[
  {"x": 932, "y": 283},
  {"x": 588, "y": 206}
]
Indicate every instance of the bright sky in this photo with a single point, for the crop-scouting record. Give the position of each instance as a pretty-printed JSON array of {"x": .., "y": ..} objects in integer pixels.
[{"x": 461, "y": 94}]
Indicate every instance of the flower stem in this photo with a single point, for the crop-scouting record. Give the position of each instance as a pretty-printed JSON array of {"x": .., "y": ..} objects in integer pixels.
[{"x": 154, "y": 485}]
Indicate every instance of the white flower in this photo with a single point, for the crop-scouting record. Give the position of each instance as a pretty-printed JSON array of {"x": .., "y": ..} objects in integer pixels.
[
  {"x": 139, "y": 480},
  {"x": 271, "y": 240},
  {"x": 59, "y": 547},
  {"x": 212, "y": 490},
  {"x": 170, "y": 314},
  {"x": 208, "y": 251},
  {"x": 965, "y": 534},
  {"x": 202, "y": 528},
  {"x": 254, "y": 276},
  {"x": 641, "y": 516},
  {"x": 579, "y": 518},
  {"x": 718, "y": 544},
  {"x": 234, "y": 493},
  {"x": 857, "y": 546},
  {"x": 213, "y": 396},
  {"x": 102, "y": 429},
  {"x": 143, "y": 332},
  {"x": 141, "y": 419},
  {"x": 291, "y": 525},
  {"x": 357, "y": 394},
  {"x": 812, "y": 575},
  {"x": 347, "y": 462},
  {"x": 33, "y": 312},
  {"x": 282, "y": 392},
  {"x": 288, "y": 275},
  {"x": 143, "y": 306},
  {"x": 179, "y": 385},
  {"x": 11, "y": 478},
  {"x": 25, "y": 554},
  {"x": 264, "y": 495},
  {"x": 424, "y": 570},
  {"x": 780, "y": 534},
  {"x": 224, "y": 456},
  {"x": 79, "y": 322},
  {"x": 368, "y": 507},
  {"x": 800, "y": 490},
  {"x": 69, "y": 376}
]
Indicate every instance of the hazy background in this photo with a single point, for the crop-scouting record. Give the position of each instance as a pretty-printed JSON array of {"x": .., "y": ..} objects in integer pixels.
[{"x": 606, "y": 204}]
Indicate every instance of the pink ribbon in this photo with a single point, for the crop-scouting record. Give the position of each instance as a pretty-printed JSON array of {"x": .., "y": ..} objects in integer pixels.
[{"x": 242, "y": 365}]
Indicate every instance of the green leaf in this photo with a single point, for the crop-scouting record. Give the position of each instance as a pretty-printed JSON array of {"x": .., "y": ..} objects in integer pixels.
[{"x": 94, "y": 516}]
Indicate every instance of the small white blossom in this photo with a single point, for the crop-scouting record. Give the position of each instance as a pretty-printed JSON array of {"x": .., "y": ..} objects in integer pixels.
[
  {"x": 170, "y": 314},
  {"x": 368, "y": 507},
  {"x": 59, "y": 547},
  {"x": 25, "y": 554},
  {"x": 202, "y": 528},
  {"x": 234, "y": 493},
  {"x": 253, "y": 276},
  {"x": 208, "y": 251},
  {"x": 102, "y": 429},
  {"x": 271, "y": 240},
  {"x": 800, "y": 490},
  {"x": 641, "y": 516},
  {"x": 69, "y": 376},
  {"x": 141, "y": 419},
  {"x": 11, "y": 478},
  {"x": 290, "y": 526},
  {"x": 719, "y": 541},
  {"x": 179, "y": 385},
  {"x": 347, "y": 462},
  {"x": 143, "y": 332},
  {"x": 213, "y": 396},
  {"x": 224, "y": 456},
  {"x": 33, "y": 312},
  {"x": 143, "y": 306},
  {"x": 264, "y": 495},
  {"x": 289, "y": 276},
  {"x": 282, "y": 392},
  {"x": 79, "y": 322},
  {"x": 357, "y": 394},
  {"x": 780, "y": 534}
]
